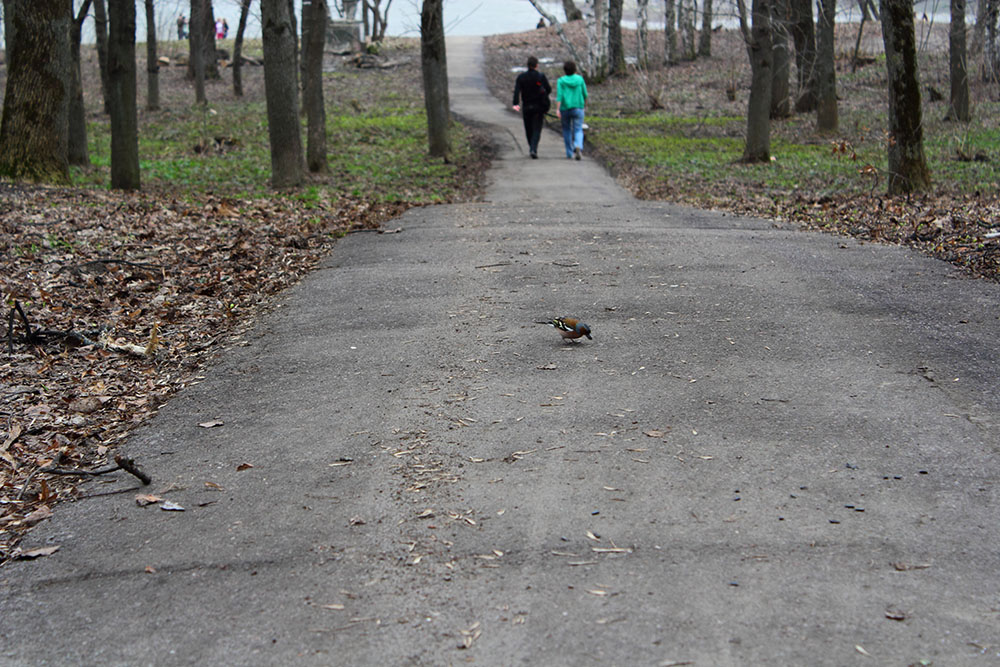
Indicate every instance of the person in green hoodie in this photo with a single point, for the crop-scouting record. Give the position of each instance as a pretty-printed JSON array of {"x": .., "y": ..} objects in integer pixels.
[{"x": 571, "y": 98}]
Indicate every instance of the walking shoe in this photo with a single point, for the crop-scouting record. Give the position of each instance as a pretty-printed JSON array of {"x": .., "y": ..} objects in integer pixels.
[
  {"x": 534, "y": 155},
  {"x": 577, "y": 154}
]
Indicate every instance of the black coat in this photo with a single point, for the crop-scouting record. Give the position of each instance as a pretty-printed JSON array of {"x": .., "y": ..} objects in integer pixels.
[{"x": 532, "y": 89}]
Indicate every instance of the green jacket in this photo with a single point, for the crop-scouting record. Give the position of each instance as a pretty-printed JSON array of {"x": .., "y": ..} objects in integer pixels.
[{"x": 571, "y": 92}]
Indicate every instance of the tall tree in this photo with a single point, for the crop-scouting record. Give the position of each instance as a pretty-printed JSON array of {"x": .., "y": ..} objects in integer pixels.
[
  {"x": 670, "y": 48},
  {"x": 958, "y": 106},
  {"x": 705, "y": 39},
  {"x": 804, "y": 37},
  {"x": 642, "y": 33},
  {"x": 314, "y": 17},
  {"x": 238, "y": 49},
  {"x": 758, "y": 43},
  {"x": 908, "y": 170},
  {"x": 77, "y": 139},
  {"x": 122, "y": 95},
  {"x": 152, "y": 63},
  {"x": 991, "y": 45},
  {"x": 686, "y": 11},
  {"x": 826, "y": 71},
  {"x": 101, "y": 36},
  {"x": 8, "y": 28},
  {"x": 434, "y": 65},
  {"x": 201, "y": 31},
  {"x": 35, "y": 126},
  {"x": 616, "y": 47},
  {"x": 780, "y": 105},
  {"x": 281, "y": 93},
  {"x": 196, "y": 49}
]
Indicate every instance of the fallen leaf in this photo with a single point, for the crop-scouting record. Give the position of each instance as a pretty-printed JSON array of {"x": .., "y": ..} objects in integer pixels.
[
  {"x": 598, "y": 592},
  {"x": 654, "y": 433},
  {"x": 357, "y": 521},
  {"x": 39, "y": 515},
  {"x": 904, "y": 567},
  {"x": 861, "y": 650},
  {"x": 85, "y": 405},
  {"x": 170, "y": 506},
  {"x": 243, "y": 466},
  {"x": 37, "y": 553},
  {"x": 591, "y": 536},
  {"x": 335, "y": 607},
  {"x": 211, "y": 424},
  {"x": 212, "y": 486},
  {"x": 144, "y": 499},
  {"x": 895, "y": 614},
  {"x": 150, "y": 569}
]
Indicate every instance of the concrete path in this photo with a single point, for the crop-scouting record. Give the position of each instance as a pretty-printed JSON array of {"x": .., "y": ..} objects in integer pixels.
[{"x": 780, "y": 448}]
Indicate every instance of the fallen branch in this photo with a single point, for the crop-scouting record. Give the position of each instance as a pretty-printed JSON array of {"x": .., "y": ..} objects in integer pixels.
[{"x": 121, "y": 463}]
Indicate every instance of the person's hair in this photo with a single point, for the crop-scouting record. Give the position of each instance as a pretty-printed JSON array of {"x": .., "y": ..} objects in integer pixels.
[
  {"x": 569, "y": 67},
  {"x": 532, "y": 62}
]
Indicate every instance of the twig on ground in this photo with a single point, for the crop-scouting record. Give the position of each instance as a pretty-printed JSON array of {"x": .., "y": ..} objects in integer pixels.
[{"x": 121, "y": 463}]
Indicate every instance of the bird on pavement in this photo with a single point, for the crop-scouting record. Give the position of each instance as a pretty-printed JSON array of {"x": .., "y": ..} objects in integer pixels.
[{"x": 569, "y": 328}]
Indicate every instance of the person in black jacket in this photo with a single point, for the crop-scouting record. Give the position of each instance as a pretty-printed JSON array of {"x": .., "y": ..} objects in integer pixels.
[{"x": 532, "y": 91}]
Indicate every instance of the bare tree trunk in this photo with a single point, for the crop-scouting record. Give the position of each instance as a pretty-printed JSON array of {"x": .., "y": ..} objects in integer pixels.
[
  {"x": 35, "y": 126},
  {"x": 196, "y": 50},
  {"x": 958, "y": 107},
  {"x": 281, "y": 93},
  {"x": 122, "y": 89},
  {"x": 670, "y": 55},
  {"x": 572, "y": 13},
  {"x": 596, "y": 67},
  {"x": 642, "y": 33},
  {"x": 616, "y": 48},
  {"x": 908, "y": 170},
  {"x": 758, "y": 42},
  {"x": 152, "y": 64},
  {"x": 826, "y": 71},
  {"x": 77, "y": 140},
  {"x": 979, "y": 29},
  {"x": 238, "y": 49},
  {"x": 434, "y": 65},
  {"x": 803, "y": 34},
  {"x": 8, "y": 29},
  {"x": 705, "y": 39},
  {"x": 314, "y": 16},
  {"x": 101, "y": 34},
  {"x": 201, "y": 29},
  {"x": 686, "y": 23},
  {"x": 991, "y": 46},
  {"x": 780, "y": 104}
]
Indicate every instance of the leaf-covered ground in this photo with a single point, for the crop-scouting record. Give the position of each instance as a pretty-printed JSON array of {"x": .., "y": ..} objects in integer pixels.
[
  {"x": 112, "y": 302},
  {"x": 676, "y": 134}
]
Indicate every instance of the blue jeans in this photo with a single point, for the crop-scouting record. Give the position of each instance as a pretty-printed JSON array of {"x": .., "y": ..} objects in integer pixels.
[{"x": 572, "y": 129}]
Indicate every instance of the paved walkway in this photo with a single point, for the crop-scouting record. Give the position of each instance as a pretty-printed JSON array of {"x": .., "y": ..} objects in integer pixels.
[{"x": 780, "y": 448}]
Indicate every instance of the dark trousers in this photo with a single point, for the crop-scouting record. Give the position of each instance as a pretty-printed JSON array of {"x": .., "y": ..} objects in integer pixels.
[{"x": 533, "y": 121}]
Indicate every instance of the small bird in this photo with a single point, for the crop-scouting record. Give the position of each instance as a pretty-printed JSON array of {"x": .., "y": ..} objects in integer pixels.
[{"x": 569, "y": 327}]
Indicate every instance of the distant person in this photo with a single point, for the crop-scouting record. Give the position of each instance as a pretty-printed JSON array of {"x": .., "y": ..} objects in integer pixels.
[
  {"x": 541, "y": 23},
  {"x": 225, "y": 29},
  {"x": 219, "y": 33},
  {"x": 182, "y": 27},
  {"x": 531, "y": 98},
  {"x": 571, "y": 98}
]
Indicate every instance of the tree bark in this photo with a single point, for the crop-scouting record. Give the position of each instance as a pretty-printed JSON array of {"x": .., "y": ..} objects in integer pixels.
[
  {"x": 196, "y": 50},
  {"x": 958, "y": 108},
  {"x": 122, "y": 95},
  {"x": 908, "y": 170},
  {"x": 281, "y": 93},
  {"x": 804, "y": 37},
  {"x": 641, "y": 33},
  {"x": 780, "y": 104},
  {"x": 434, "y": 65},
  {"x": 8, "y": 29},
  {"x": 826, "y": 71},
  {"x": 201, "y": 29},
  {"x": 991, "y": 46},
  {"x": 152, "y": 64},
  {"x": 238, "y": 49},
  {"x": 670, "y": 56},
  {"x": 705, "y": 39},
  {"x": 34, "y": 132},
  {"x": 686, "y": 24},
  {"x": 616, "y": 47},
  {"x": 758, "y": 42},
  {"x": 101, "y": 36},
  {"x": 572, "y": 13},
  {"x": 77, "y": 139},
  {"x": 314, "y": 16}
]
